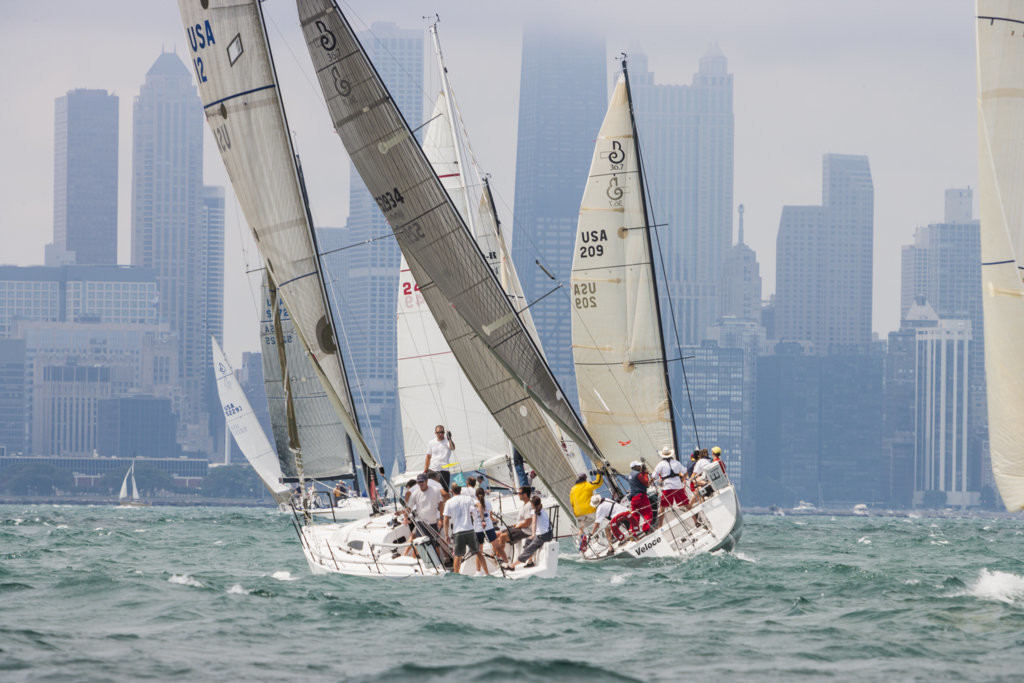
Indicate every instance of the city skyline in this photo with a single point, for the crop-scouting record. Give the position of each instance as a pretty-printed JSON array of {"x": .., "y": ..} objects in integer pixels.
[{"x": 836, "y": 80}]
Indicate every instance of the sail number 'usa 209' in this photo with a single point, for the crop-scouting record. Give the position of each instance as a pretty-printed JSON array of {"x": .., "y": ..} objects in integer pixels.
[{"x": 389, "y": 200}]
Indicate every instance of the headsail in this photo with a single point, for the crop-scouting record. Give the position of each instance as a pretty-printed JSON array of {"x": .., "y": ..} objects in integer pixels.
[
  {"x": 238, "y": 87},
  {"x": 473, "y": 312},
  {"x": 616, "y": 333},
  {"x": 1001, "y": 190},
  {"x": 245, "y": 428},
  {"x": 321, "y": 435}
]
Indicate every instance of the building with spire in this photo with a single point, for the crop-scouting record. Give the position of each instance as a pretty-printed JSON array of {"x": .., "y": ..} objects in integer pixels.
[
  {"x": 740, "y": 288},
  {"x": 178, "y": 232}
]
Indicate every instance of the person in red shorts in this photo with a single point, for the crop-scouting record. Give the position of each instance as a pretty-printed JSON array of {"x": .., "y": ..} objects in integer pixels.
[
  {"x": 639, "y": 480},
  {"x": 670, "y": 473},
  {"x": 618, "y": 516}
]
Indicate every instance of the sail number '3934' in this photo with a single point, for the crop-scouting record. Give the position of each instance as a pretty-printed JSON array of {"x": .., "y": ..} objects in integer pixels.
[{"x": 389, "y": 201}]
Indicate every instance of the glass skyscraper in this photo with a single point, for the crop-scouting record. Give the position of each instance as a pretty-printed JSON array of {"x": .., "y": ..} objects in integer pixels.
[
  {"x": 177, "y": 230},
  {"x": 84, "y": 179},
  {"x": 562, "y": 101}
]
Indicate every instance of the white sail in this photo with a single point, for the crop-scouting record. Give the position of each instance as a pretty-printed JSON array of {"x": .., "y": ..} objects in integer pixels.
[
  {"x": 1001, "y": 191},
  {"x": 135, "y": 489},
  {"x": 616, "y": 335},
  {"x": 238, "y": 87},
  {"x": 321, "y": 435},
  {"x": 432, "y": 388},
  {"x": 481, "y": 326},
  {"x": 123, "y": 495},
  {"x": 245, "y": 428}
]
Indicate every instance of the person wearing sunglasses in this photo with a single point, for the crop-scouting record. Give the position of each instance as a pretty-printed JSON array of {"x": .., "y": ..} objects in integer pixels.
[{"x": 439, "y": 454}]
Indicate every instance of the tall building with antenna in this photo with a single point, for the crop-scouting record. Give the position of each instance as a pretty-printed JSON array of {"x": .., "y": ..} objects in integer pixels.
[{"x": 562, "y": 100}]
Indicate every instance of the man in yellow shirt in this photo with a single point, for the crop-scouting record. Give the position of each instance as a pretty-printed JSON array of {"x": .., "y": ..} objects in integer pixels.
[{"x": 580, "y": 495}]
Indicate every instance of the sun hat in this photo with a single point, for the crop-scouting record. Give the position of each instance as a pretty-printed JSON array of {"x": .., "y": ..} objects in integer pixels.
[{"x": 667, "y": 452}]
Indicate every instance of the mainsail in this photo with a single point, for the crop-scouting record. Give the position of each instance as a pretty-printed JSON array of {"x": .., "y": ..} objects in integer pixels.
[
  {"x": 244, "y": 426},
  {"x": 1001, "y": 191},
  {"x": 616, "y": 330},
  {"x": 482, "y": 328},
  {"x": 321, "y": 435},
  {"x": 238, "y": 87}
]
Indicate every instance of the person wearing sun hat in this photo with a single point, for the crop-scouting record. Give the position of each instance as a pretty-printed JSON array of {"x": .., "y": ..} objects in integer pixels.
[{"x": 670, "y": 473}]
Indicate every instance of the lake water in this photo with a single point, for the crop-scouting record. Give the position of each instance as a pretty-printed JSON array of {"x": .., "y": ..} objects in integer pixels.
[{"x": 103, "y": 593}]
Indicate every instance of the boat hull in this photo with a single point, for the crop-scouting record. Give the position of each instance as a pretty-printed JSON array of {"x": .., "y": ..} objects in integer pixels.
[{"x": 714, "y": 525}]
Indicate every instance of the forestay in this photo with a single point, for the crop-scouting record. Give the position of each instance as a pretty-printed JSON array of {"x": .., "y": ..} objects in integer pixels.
[
  {"x": 244, "y": 426},
  {"x": 321, "y": 434},
  {"x": 473, "y": 313},
  {"x": 238, "y": 87},
  {"x": 1001, "y": 191},
  {"x": 616, "y": 334}
]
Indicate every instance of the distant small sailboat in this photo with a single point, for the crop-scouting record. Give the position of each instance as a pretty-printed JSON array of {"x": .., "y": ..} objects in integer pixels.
[{"x": 124, "y": 499}]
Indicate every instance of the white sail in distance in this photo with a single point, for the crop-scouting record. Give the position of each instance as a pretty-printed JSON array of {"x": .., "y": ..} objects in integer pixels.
[
  {"x": 234, "y": 71},
  {"x": 123, "y": 495},
  {"x": 482, "y": 328},
  {"x": 245, "y": 428},
  {"x": 1001, "y": 193},
  {"x": 616, "y": 334},
  {"x": 321, "y": 434}
]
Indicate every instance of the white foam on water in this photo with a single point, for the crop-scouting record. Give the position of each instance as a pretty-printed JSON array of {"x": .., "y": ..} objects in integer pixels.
[
  {"x": 284, "y": 576},
  {"x": 744, "y": 557},
  {"x": 912, "y": 582},
  {"x": 913, "y": 515},
  {"x": 986, "y": 528},
  {"x": 99, "y": 528},
  {"x": 238, "y": 590},
  {"x": 940, "y": 542},
  {"x": 184, "y": 580},
  {"x": 996, "y": 586},
  {"x": 800, "y": 523},
  {"x": 865, "y": 540},
  {"x": 218, "y": 542},
  {"x": 18, "y": 520},
  {"x": 62, "y": 526},
  {"x": 140, "y": 531},
  {"x": 620, "y": 579}
]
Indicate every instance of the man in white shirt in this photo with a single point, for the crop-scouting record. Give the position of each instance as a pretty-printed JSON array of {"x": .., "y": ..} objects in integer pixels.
[
  {"x": 670, "y": 473},
  {"x": 541, "y": 533},
  {"x": 425, "y": 503},
  {"x": 617, "y": 516},
  {"x": 439, "y": 454},
  {"x": 460, "y": 522},
  {"x": 518, "y": 531}
]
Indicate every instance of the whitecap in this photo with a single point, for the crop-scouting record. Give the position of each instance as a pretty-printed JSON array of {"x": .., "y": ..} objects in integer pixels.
[
  {"x": 800, "y": 523},
  {"x": 865, "y": 540},
  {"x": 184, "y": 580},
  {"x": 18, "y": 520},
  {"x": 986, "y": 528},
  {"x": 996, "y": 586},
  {"x": 140, "y": 531},
  {"x": 62, "y": 526},
  {"x": 238, "y": 590},
  {"x": 218, "y": 542},
  {"x": 620, "y": 579},
  {"x": 912, "y": 582},
  {"x": 744, "y": 557},
  {"x": 941, "y": 542},
  {"x": 99, "y": 528},
  {"x": 284, "y": 576}
]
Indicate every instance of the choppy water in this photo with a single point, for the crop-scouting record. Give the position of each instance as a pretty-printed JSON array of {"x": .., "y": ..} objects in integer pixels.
[{"x": 90, "y": 593}]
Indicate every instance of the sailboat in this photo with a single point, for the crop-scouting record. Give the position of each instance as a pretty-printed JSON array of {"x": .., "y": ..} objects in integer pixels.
[
  {"x": 238, "y": 87},
  {"x": 618, "y": 345},
  {"x": 133, "y": 500},
  {"x": 1001, "y": 193}
]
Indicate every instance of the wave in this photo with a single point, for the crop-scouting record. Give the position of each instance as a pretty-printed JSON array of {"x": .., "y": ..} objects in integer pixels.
[
  {"x": 284, "y": 575},
  {"x": 996, "y": 586},
  {"x": 185, "y": 580}
]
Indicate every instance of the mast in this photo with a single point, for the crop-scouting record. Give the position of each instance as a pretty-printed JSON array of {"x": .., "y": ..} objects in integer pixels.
[
  {"x": 650, "y": 254},
  {"x": 293, "y": 429}
]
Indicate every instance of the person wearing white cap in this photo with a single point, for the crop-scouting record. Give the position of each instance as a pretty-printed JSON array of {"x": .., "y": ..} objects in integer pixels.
[
  {"x": 639, "y": 480},
  {"x": 670, "y": 473},
  {"x": 616, "y": 514}
]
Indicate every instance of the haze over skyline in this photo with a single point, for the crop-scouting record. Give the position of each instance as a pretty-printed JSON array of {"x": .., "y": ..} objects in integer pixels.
[{"x": 895, "y": 83}]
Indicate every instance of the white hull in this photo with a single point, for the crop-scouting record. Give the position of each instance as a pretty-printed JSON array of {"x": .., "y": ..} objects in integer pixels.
[
  {"x": 376, "y": 547},
  {"x": 715, "y": 524}
]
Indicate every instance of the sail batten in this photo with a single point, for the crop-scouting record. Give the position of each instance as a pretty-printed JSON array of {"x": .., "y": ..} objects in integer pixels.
[{"x": 1001, "y": 193}]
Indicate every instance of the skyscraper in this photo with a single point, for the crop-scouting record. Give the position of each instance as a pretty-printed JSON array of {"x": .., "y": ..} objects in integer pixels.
[
  {"x": 84, "y": 179},
  {"x": 823, "y": 290},
  {"x": 562, "y": 100},
  {"x": 740, "y": 288},
  {"x": 177, "y": 229},
  {"x": 368, "y": 296}
]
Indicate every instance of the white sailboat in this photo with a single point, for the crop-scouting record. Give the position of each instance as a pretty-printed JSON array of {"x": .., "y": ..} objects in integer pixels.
[
  {"x": 133, "y": 500},
  {"x": 238, "y": 87},
  {"x": 618, "y": 347},
  {"x": 1001, "y": 193}
]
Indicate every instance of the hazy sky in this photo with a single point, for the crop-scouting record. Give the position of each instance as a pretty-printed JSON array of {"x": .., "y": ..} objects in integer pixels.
[{"x": 892, "y": 80}]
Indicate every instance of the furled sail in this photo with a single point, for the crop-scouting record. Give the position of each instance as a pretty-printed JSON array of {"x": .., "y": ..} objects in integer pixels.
[
  {"x": 481, "y": 326},
  {"x": 238, "y": 87},
  {"x": 321, "y": 435},
  {"x": 245, "y": 428},
  {"x": 616, "y": 332},
  {"x": 1001, "y": 191}
]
